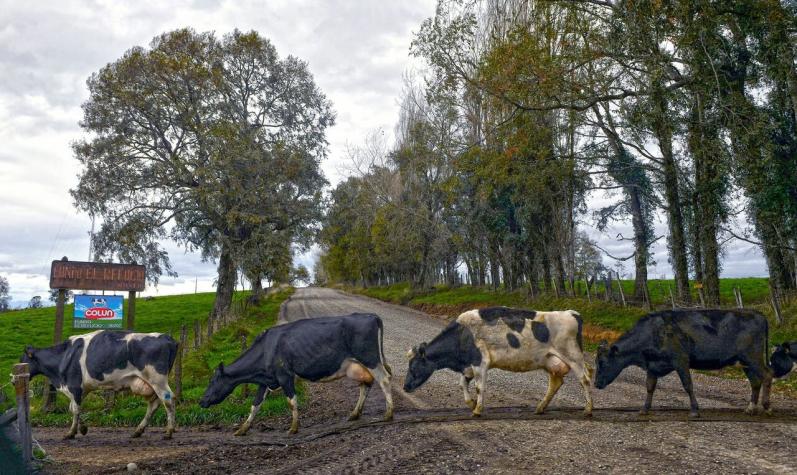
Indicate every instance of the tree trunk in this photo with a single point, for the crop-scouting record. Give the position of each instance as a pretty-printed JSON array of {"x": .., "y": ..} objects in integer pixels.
[
  {"x": 662, "y": 129},
  {"x": 226, "y": 282}
]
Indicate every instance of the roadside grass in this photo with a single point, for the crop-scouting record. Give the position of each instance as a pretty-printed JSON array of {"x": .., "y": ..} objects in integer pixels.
[
  {"x": 164, "y": 314},
  {"x": 602, "y": 320}
]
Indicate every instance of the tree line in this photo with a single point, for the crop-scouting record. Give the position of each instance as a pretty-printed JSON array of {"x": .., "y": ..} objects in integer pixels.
[
  {"x": 681, "y": 110},
  {"x": 213, "y": 142}
]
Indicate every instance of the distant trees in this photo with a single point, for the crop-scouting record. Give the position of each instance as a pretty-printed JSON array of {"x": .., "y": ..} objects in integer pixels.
[
  {"x": 53, "y": 295},
  {"x": 684, "y": 110},
  {"x": 212, "y": 142},
  {"x": 5, "y": 294},
  {"x": 35, "y": 302}
]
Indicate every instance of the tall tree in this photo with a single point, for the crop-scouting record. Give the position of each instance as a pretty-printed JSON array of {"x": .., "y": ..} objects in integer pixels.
[{"x": 212, "y": 143}]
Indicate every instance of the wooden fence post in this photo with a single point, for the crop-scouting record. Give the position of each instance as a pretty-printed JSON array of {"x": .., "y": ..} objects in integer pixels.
[
  {"x": 197, "y": 334},
  {"x": 21, "y": 376},
  {"x": 131, "y": 310},
  {"x": 245, "y": 389},
  {"x": 178, "y": 364},
  {"x": 210, "y": 325},
  {"x": 738, "y": 292},
  {"x": 622, "y": 293},
  {"x": 773, "y": 298},
  {"x": 672, "y": 298}
]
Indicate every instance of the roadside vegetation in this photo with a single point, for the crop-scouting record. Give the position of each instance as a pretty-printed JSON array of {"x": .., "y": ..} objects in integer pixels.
[{"x": 163, "y": 314}]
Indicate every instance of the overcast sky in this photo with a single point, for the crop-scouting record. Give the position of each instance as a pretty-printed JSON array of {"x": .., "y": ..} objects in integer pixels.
[{"x": 357, "y": 52}]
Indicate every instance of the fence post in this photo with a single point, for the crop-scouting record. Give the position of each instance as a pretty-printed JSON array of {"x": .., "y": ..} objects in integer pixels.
[
  {"x": 773, "y": 298},
  {"x": 21, "y": 379},
  {"x": 178, "y": 365},
  {"x": 211, "y": 317},
  {"x": 622, "y": 292},
  {"x": 672, "y": 299},
  {"x": 245, "y": 389},
  {"x": 738, "y": 292},
  {"x": 197, "y": 334}
]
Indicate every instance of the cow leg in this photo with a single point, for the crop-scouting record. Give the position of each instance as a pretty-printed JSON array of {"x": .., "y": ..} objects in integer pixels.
[
  {"x": 766, "y": 388},
  {"x": 287, "y": 383},
  {"x": 256, "y": 402},
  {"x": 650, "y": 384},
  {"x": 480, "y": 377},
  {"x": 74, "y": 408},
  {"x": 165, "y": 394},
  {"x": 152, "y": 406},
  {"x": 554, "y": 383},
  {"x": 686, "y": 381},
  {"x": 464, "y": 381},
  {"x": 754, "y": 376},
  {"x": 382, "y": 376},
  {"x": 358, "y": 408},
  {"x": 581, "y": 372}
]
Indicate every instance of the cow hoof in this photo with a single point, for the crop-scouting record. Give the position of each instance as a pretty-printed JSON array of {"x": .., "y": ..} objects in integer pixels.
[
  {"x": 167, "y": 436},
  {"x": 471, "y": 404},
  {"x": 136, "y": 434},
  {"x": 292, "y": 431},
  {"x": 388, "y": 417},
  {"x": 240, "y": 433},
  {"x": 476, "y": 414},
  {"x": 69, "y": 436},
  {"x": 768, "y": 412},
  {"x": 587, "y": 413},
  {"x": 694, "y": 415},
  {"x": 353, "y": 417},
  {"x": 83, "y": 430},
  {"x": 644, "y": 412},
  {"x": 750, "y": 410}
]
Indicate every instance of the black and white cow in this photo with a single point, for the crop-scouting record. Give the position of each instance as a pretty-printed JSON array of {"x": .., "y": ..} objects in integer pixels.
[
  {"x": 677, "y": 340},
  {"x": 784, "y": 359},
  {"x": 317, "y": 349},
  {"x": 115, "y": 360},
  {"x": 509, "y": 339}
]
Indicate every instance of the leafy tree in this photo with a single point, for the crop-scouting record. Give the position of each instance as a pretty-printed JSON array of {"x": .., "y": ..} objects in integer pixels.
[
  {"x": 53, "y": 296},
  {"x": 5, "y": 295},
  {"x": 214, "y": 143},
  {"x": 35, "y": 302}
]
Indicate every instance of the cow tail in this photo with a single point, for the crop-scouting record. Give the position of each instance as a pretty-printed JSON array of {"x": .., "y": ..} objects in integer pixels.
[
  {"x": 766, "y": 343},
  {"x": 580, "y": 334},
  {"x": 382, "y": 346},
  {"x": 173, "y": 348}
]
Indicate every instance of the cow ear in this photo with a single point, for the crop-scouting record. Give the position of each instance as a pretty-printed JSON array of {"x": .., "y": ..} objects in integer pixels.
[
  {"x": 221, "y": 368},
  {"x": 411, "y": 353},
  {"x": 29, "y": 351},
  {"x": 613, "y": 350},
  {"x": 786, "y": 346},
  {"x": 422, "y": 350}
]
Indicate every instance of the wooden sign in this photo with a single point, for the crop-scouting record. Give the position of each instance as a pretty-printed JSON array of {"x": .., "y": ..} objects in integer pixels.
[{"x": 97, "y": 276}]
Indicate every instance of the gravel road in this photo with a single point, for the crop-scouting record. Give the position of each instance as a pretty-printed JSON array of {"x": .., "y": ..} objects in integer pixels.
[{"x": 433, "y": 431}]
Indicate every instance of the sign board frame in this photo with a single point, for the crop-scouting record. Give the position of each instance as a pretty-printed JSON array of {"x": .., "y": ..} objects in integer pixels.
[{"x": 97, "y": 276}]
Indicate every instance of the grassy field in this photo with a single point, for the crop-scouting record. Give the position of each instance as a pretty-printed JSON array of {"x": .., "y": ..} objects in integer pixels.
[{"x": 164, "y": 314}]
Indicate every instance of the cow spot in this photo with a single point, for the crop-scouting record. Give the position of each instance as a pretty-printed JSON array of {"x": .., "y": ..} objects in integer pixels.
[
  {"x": 513, "y": 341},
  {"x": 540, "y": 331},
  {"x": 514, "y": 318}
]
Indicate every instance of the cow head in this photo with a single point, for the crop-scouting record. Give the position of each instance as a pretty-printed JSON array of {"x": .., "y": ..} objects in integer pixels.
[
  {"x": 783, "y": 360},
  {"x": 29, "y": 356},
  {"x": 221, "y": 385},
  {"x": 607, "y": 364},
  {"x": 420, "y": 369}
]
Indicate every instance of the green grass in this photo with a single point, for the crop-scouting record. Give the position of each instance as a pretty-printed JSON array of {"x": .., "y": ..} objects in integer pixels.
[{"x": 161, "y": 314}]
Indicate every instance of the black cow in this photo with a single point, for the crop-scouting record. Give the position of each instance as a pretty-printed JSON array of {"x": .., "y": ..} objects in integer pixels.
[
  {"x": 113, "y": 360},
  {"x": 678, "y": 340},
  {"x": 318, "y": 349},
  {"x": 784, "y": 359}
]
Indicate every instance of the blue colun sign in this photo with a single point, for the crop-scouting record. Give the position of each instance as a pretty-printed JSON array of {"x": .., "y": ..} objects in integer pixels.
[{"x": 98, "y": 311}]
